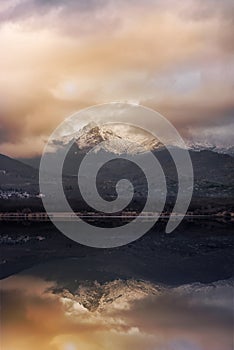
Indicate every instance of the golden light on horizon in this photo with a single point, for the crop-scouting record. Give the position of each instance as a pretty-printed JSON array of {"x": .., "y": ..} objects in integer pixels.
[{"x": 70, "y": 346}]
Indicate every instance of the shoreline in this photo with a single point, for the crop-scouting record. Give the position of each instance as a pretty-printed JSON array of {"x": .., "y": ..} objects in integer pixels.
[{"x": 42, "y": 216}]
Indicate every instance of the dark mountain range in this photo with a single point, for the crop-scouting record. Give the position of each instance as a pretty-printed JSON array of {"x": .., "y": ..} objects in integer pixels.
[
  {"x": 18, "y": 181},
  {"x": 213, "y": 172},
  {"x": 33, "y": 162},
  {"x": 15, "y": 167},
  {"x": 209, "y": 165},
  {"x": 213, "y": 177},
  {"x": 15, "y": 174}
]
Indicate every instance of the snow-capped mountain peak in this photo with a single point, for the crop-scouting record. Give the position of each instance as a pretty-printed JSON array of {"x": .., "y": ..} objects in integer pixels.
[
  {"x": 207, "y": 146},
  {"x": 118, "y": 139},
  {"x": 117, "y": 294}
]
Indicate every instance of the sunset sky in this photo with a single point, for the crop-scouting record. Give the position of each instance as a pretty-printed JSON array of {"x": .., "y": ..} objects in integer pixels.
[{"x": 57, "y": 57}]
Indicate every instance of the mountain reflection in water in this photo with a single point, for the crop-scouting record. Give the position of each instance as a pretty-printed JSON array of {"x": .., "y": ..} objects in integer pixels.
[
  {"x": 166, "y": 292},
  {"x": 115, "y": 315}
]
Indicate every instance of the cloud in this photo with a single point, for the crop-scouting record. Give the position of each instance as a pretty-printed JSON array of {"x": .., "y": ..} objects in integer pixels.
[
  {"x": 211, "y": 8},
  {"x": 58, "y": 58},
  {"x": 20, "y": 10}
]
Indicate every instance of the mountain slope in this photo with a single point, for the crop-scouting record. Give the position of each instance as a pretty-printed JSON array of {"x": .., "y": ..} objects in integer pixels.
[
  {"x": 213, "y": 172},
  {"x": 15, "y": 167},
  {"x": 119, "y": 139},
  {"x": 17, "y": 175}
]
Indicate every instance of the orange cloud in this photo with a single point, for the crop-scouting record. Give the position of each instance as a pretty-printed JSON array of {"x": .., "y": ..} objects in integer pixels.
[{"x": 50, "y": 69}]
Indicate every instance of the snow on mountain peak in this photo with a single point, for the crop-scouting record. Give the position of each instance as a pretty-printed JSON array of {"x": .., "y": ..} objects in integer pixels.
[
  {"x": 117, "y": 294},
  {"x": 118, "y": 138}
]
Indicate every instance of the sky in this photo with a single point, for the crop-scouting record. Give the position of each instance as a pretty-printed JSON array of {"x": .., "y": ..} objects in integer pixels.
[
  {"x": 57, "y": 57},
  {"x": 43, "y": 317}
]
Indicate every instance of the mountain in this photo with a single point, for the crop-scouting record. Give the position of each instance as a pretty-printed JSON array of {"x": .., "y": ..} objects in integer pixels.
[
  {"x": 13, "y": 167},
  {"x": 128, "y": 139},
  {"x": 209, "y": 147},
  {"x": 119, "y": 139},
  {"x": 207, "y": 165},
  {"x": 33, "y": 162},
  {"x": 213, "y": 171},
  {"x": 15, "y": 174},
  {"x": 121, "y": 294},
  {"x": 95, "y": 296}
]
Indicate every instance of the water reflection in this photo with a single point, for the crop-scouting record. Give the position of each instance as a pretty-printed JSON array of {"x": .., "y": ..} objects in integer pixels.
[
  {"x": 115, "y": 315},
  {"x": 162, "y": 292}
]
